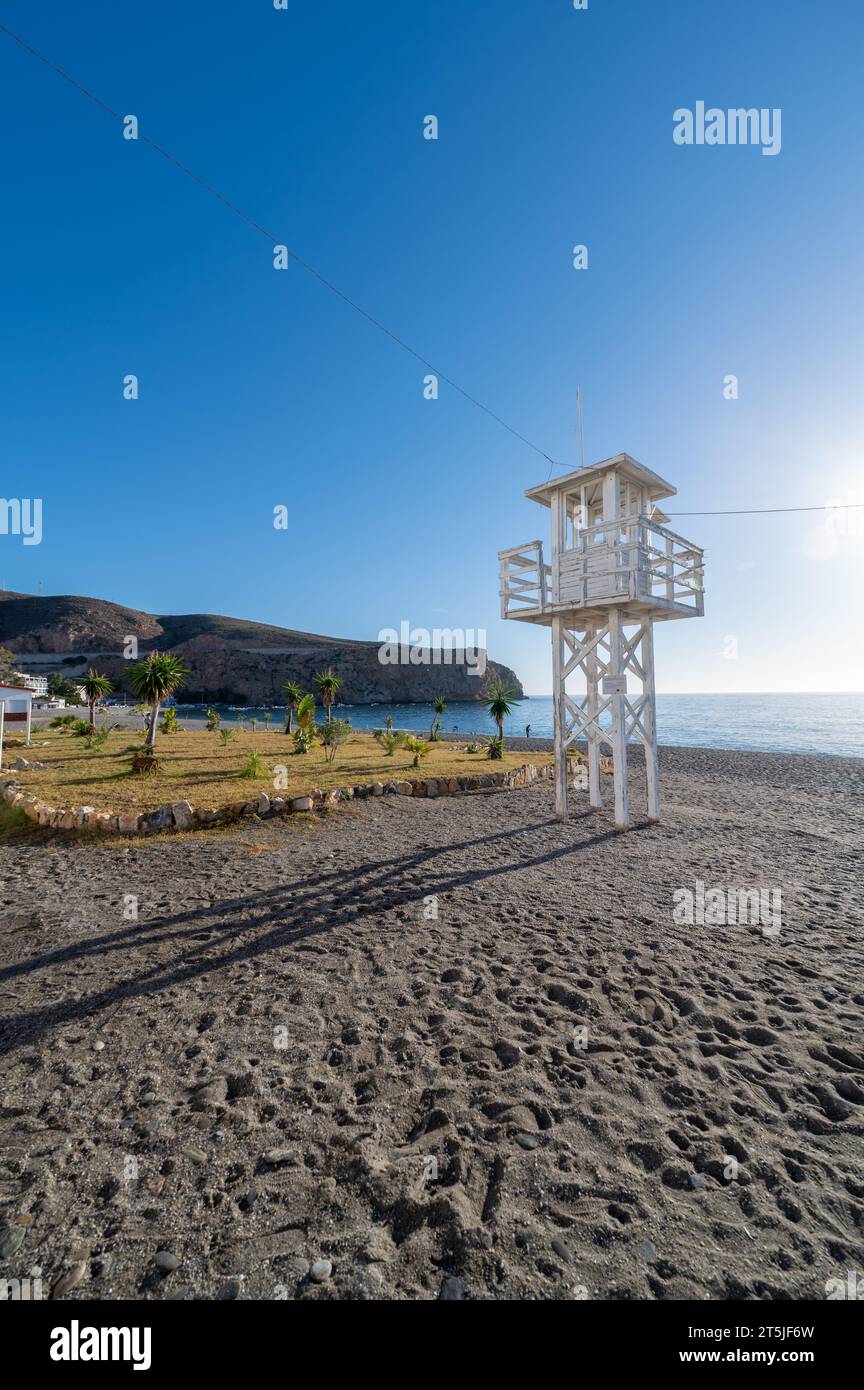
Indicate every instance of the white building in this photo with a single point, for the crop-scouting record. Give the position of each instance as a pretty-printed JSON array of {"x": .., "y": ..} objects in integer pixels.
[
  {"x": 16, "y": 707},
  {"x": 38, "y": 684}
]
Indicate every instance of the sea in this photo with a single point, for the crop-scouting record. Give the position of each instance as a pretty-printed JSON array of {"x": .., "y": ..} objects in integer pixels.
[{"x": 769, "y": 723}]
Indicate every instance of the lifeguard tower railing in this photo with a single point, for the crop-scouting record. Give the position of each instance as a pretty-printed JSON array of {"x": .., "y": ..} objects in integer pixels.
[{"x": 634, "y": 561}]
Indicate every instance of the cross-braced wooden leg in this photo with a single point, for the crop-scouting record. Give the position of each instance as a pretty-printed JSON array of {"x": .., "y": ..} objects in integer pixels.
[
  {"x": 560, "y": 717},
  {"x": 617, "y": 661},
  {"x": 649, "y": 722},
  {"x": 592, "y": 677}
]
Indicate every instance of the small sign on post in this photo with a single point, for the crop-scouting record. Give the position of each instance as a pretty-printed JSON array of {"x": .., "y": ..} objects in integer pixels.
[{"x": 614, "y": 685}]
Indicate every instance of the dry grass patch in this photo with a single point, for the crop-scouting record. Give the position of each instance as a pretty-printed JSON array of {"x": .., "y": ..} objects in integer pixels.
[{"x": 197, "y": 767}]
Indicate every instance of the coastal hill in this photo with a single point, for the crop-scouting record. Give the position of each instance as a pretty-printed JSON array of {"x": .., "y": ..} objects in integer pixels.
[{"x": 229, "y": 660}]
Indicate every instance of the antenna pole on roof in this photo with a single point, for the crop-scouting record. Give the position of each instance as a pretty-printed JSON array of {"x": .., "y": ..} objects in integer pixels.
[{"x": 581, "y": 418}]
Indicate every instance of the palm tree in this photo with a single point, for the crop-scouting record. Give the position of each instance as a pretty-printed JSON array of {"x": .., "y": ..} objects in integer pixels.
[
  {"x": 418, "y": 747},
  {"x": 96, "y": 687},
  {"x": 306, "y": 713},
  {"x": 293, "y": 694},
  {"x": 328, "y": 687},
  {"x": 153, "y": 679},
  {"x": 305, "y": 724},
  {"x": 497, "y": 700},
  {"x": 439, "y": 704}
]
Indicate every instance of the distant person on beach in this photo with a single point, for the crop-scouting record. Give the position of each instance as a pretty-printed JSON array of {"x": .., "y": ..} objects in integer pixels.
[{"x": 527, "y": 730}]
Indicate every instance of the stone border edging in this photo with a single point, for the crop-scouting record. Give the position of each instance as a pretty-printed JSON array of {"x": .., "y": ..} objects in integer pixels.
[{"x": 182, "y": 816}]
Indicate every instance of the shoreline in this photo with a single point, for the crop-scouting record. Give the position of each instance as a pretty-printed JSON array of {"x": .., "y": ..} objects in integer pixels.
[{"x": 516, "y": 742}]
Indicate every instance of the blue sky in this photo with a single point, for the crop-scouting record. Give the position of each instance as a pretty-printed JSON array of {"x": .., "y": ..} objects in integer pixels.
[{"x": 260, "y": 388}]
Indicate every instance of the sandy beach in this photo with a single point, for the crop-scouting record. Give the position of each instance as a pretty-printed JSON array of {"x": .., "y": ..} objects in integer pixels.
[{"x": 452, "y": 1049}]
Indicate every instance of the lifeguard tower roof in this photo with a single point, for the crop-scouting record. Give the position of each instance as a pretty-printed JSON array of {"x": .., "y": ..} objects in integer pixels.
[{"x": 623, "y": 464}]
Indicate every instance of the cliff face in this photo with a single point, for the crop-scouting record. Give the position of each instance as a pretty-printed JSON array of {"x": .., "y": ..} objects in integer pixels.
[{"x": 229, "y": 659}]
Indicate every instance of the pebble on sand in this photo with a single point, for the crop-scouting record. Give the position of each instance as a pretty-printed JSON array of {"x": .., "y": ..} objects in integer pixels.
[
  {"x": 452, "y": 1290},
  {"x": 166, "y": 1261},
  {"x": 68, "y": 1280},
  {"x": 231, "y": 1289},
  {"x": 276, "y": 1157},
  {"x": 320, "y": 1271},
  {"x": 11, "y": 1240}
]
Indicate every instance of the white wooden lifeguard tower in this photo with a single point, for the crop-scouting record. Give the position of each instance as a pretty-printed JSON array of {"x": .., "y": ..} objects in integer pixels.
[{"x": 615, "y": 570}]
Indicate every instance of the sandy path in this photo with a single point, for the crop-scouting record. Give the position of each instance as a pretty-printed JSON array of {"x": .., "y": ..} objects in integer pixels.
[{"x": 442, "y": 1128}]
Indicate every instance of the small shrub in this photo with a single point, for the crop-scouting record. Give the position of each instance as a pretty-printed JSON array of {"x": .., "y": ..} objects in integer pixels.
[
  {"x": 253, "y": 767},
  {"x": 495, "y": 747},
  {"x": 253, "y": 724},
  {"x": 226, "y": 735},
  {"x": 303, "y": 739},
  {"x": 63, "y": 721},
  {"x": 169, "y": 723},
  {"x": 472, "y": 748},
  {"x": 332, "y": 736},
  {"x": 99, "y": 737},
  {"x": 266, "y": 721},
  {"x": 214, "y": 719},
  {"x": 81, "y": 728},
  {"x": 388, "y": 740}
]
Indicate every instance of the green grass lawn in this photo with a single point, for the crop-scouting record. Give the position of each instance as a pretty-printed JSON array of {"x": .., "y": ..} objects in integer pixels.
[{"x": 197, "y": 767}]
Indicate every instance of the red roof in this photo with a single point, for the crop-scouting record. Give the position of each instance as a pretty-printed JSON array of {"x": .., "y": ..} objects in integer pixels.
[{"x": 6, "y": 685}]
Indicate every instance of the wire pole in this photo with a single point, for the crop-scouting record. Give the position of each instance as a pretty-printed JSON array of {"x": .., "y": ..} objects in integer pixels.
[{"x": 580, "y": 414}]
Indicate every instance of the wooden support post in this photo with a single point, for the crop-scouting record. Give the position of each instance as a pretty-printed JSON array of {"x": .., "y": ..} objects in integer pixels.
[
  {"x": 560, "y": 717},
  {"x": 29, "y": 721},
  {"x": 619, "y": 731},
  {"x": 649, "y": 721},
  {"x": 559, "y": 522},
  {"x": 595, "y": 795}
]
